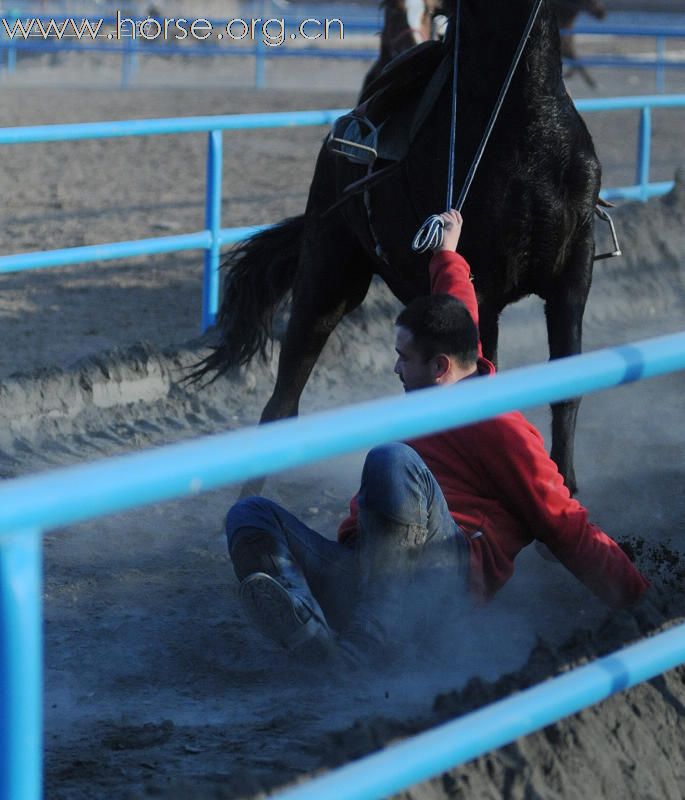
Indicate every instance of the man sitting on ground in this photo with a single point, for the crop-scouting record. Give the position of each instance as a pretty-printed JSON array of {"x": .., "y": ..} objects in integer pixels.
[{"x": 447, "y": 513}]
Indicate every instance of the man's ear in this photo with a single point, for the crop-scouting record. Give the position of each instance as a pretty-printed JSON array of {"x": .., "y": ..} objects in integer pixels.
[{"x": 441, "y": 365}]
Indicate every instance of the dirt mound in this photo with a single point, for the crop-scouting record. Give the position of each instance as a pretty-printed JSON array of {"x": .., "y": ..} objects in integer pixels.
[
  {"x": 155, "y": 686},
  {"x": 628, "y": 746}
]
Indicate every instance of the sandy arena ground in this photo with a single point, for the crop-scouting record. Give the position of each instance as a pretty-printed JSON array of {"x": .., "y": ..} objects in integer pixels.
[{"x": 155, "y": 687}]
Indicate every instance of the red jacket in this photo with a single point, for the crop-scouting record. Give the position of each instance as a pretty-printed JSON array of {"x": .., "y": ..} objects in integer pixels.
[{"x": 504, "y": 490}]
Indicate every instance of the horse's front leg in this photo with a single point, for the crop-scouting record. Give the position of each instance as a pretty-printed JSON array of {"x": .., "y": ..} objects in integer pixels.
[
  {"x": 488, "y": 326},
  {"x": 564, "y": 308}
]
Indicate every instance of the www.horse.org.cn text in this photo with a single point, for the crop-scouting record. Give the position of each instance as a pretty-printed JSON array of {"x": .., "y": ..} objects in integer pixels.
[{"x": 272, "y": 32}]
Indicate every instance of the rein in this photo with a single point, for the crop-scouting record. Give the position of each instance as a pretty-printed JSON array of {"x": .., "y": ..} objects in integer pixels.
[{"x": 429, "y": 236}]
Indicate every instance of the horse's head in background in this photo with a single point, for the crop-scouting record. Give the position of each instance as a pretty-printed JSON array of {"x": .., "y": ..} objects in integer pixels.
[
  {"x": 408, "y": 23},
  {"x": 568, "y": 10},
  {"x": 594, "y": 8}
]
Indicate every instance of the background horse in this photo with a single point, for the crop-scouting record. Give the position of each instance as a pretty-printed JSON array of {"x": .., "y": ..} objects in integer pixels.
[
  {"x": 567, "y": 11},
  {"x": 529, "y": 214},
  {"x": 407, "y": 23}
]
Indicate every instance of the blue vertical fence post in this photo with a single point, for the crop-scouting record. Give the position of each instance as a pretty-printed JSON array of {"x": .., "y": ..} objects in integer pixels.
[
  {"x": 260, "y": 58},
  {"x": 11, "y": 58},
  {"x": 210, "y": 289},
  {"x": 660, "y": 64},
  {"x": 259, "y": 64},
  {"x": 260, "y": 52},
  {"x": 125, "y": 67},
  {"x": 644, "y": 151},
  {"x": 129, "y": 62},
  {"x": 11, "y": 50},
  {"x": 21, "y": 663}
]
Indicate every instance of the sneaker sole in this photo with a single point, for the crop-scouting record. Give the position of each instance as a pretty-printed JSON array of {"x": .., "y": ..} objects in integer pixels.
[{"x": 270, "y": 607}]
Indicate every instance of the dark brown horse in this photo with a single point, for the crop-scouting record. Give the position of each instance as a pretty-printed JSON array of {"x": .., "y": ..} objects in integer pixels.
[{"x": 529, "y": 213}]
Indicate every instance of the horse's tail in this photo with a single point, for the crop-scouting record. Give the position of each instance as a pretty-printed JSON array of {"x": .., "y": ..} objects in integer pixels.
[{"x": 260, "y": 272}]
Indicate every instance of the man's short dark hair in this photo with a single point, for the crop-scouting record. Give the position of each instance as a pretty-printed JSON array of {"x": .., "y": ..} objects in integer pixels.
[{"x": 440, "y": 323}]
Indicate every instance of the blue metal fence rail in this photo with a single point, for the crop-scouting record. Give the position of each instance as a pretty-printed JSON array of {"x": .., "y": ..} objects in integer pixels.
[
  {"x": 660, "y": 63},
  {"x": 211, "y": 239},
  {"x": 214, "y": 236},
  {"x": 31, "y": 505},
  {"x": 451, "y": 744},
  {"x": 643, "y": 189},
  {"x": 132, "y": 49}
]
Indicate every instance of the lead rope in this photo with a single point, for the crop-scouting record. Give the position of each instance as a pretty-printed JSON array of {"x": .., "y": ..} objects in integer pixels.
[{"x": 429, "y": 236}]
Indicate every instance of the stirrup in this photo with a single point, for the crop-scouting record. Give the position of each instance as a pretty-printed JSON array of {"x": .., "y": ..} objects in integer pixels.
[
  {"x": 283, "y": 617},
  {"x": 354, "y": 137},
  {"x": 604, "y": 216}
]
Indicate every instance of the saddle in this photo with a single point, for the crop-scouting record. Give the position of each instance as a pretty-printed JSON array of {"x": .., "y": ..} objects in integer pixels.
[{"x": 390, "y": 113}]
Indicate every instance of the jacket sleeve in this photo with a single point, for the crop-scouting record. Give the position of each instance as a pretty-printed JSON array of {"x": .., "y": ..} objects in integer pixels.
[
  {"x": 451, "y": 274},
  {"x": 530, "y": 484}
]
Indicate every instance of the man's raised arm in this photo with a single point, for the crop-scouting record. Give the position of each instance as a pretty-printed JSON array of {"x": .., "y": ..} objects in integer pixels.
[{"x": 450, "y": 272}]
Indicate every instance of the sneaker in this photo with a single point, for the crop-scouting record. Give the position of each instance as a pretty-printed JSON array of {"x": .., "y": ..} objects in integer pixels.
[{"x": 282, "y": 616}]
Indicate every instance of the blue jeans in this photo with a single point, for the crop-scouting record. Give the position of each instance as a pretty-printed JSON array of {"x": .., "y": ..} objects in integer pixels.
[{"x": 406, "y": 533}]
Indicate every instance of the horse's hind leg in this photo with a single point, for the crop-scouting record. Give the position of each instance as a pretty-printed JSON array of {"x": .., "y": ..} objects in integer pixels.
[
  {"x": 564, "y": 308},
  {"x": 332, "y": 280}
]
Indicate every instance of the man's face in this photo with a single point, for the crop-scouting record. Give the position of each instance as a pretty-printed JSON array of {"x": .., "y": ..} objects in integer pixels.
[{"x": 414, "y": 371}]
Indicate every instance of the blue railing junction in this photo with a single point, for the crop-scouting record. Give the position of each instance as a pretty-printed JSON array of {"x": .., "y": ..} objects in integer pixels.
[
  {"x": 31, "y": 505},
  {"x": 659, "y": 63},
  {"x": 213, "y": 237}
]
